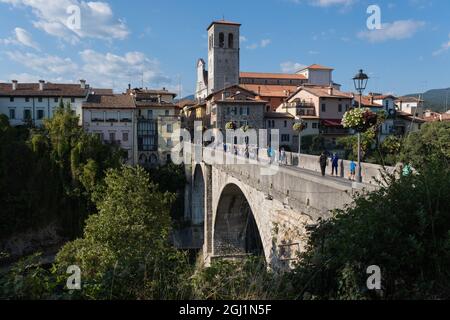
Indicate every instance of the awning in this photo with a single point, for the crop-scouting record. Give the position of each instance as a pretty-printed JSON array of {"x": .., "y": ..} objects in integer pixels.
[{"x": 332, "y": 123}]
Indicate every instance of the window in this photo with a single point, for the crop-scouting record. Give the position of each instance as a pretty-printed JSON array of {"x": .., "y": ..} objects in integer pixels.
[
  {"x": 324, "y": 107},
  {"x": 169, "y": 142},
  {"x": 241, "y": 111},
  {"x": 167, "y": 112},
  {"x": 27, "y": 99},
  {"x": 12, "y": 114},
  {"x": 72, "y": 100},
  {"x": 56, "y": 100},
  {"x": 285, "y": 123},
  {"x": 100, "y": 135},
  {"x": 27, "y": 114},
  {"x": 221, "y": 40},
  {"x": 210, "y": 42},
  {"x": 314, "y": 125},
  {"x": 340, "y": 108},
  {"x": 347, "y": 107},
  {"x": 169, "y": 128},
  {"x": 149, "y": 114},
  {"x": 97, "y": 117},
  {"x": 112, "y": 136},
  {"x": 125, "y": 136},
  {"x": 230, "y": 41},
  {"x": 11, "y": 99},
  {"x": 40, "y": 100},
  {"x": 248, "y": 111},
  {"x": 285, "y": 138},
  {"x": 40, "y": 114},
  {"x": 126, "y": 116}
]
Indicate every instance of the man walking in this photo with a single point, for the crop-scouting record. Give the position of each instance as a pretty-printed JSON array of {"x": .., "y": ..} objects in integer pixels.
[
  {"x": 334, "y": 164},
  {"x": 323, "y": 160}
]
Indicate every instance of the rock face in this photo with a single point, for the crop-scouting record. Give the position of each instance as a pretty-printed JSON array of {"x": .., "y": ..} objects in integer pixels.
[{"x": 46, "y": 240}]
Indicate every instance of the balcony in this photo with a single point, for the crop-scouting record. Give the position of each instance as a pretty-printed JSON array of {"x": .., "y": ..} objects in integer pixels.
[
  {"x": 334, "y": 131},
  {"x": 306, "y": 112}
]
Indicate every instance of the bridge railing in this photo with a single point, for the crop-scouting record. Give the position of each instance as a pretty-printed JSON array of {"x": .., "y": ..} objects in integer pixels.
[{"x": 241, "y": 154}]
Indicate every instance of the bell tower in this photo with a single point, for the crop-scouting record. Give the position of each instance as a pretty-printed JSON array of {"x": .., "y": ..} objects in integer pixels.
[{"x": 223, "y": 55}]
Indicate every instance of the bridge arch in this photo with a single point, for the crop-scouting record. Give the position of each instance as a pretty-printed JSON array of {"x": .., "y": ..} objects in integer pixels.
[
  {"x": 236, "y": 230},
  {"x": 198, "y": 196}
]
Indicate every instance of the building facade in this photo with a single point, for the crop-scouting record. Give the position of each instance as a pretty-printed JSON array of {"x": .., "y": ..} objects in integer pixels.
[
  {"x": 112, "y": 119},
  {"x": 26, "y": 103}
]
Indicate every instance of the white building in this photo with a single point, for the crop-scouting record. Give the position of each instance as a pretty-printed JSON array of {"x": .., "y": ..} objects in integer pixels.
[
  {"x": 388, "y": 105},
  {"x": 113, "y": 119},
  {"x": 33, "y": 102}
]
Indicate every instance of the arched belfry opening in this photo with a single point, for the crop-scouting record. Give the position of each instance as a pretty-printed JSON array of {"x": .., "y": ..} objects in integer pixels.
[
  {"x": 235, "y": 231},
  {"x": 230, "y": 41}
]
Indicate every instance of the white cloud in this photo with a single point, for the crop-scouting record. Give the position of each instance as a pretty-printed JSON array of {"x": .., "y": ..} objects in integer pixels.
[
  {"x": 326, "y": 3},
  {"x": 291, "y": 67},
  {"x": 397, "y": 30},
  {"x": 96, "y": 19},
  {"x": 21, "y": 37},
  {"x": 99, "y": 69},
  {"x": 44, "y": 64},
  {"x": 262, "y": 44},
  {"x": 112, "y": 70},
  {"x": 444, "y": 48}
]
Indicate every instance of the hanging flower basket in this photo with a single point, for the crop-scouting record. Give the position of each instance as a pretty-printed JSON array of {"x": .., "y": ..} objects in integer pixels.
[
  {"x": 299, "y": 126},
  {"x": 230, "y": 126},
  {"x": 359, "y": 119},
  {"x": 246, "y": 128}
]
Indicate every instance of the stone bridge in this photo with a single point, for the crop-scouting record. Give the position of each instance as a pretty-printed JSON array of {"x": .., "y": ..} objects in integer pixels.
[{"x": 256, "y": 205}]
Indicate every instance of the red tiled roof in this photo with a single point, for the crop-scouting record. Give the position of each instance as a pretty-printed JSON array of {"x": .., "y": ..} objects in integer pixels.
[
  {"x": 261, "y": 75},
  {"x": 366, "y": 102},
  {"x": 323, "y": 92},
  {"x": 223, "y": 22},
  {"x": 277, "y": 91},
  {"x": 278, "y": 115},
  {"x": 121, "y": 101},
  {"x": 317, "y": 67},
  {"x": 50, "y": 90}
]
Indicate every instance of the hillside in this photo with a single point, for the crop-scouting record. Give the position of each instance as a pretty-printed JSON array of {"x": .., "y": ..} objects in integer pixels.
[{"x": 435, "y": 99}]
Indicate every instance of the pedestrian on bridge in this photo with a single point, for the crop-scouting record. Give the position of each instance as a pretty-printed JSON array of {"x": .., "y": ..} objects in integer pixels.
[
  {"x": 334, "y": 164},
  {"x": 323, "y": 160},
  {"x": 352, "y": 170}
]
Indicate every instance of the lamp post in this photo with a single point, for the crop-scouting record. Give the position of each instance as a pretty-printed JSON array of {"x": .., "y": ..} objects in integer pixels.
[{"x": 360, "y": 81}]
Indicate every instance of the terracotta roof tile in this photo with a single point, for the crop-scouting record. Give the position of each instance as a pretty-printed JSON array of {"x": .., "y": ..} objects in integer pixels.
[
  {"x": 50, "y": 90},
  {"x": 270, "y": 90},
  {"x": 284, "y": 76},
  {"x": 122, "y": 101}
]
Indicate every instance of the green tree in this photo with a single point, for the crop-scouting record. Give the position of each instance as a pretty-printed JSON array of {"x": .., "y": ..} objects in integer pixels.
[
  {"x": 124, "y": 253},
  {"x": 404, "y": 228},
  {"x": 431, "y": 143}
]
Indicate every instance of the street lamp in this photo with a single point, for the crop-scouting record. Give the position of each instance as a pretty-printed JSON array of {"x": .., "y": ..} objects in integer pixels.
[{"x": 360, "y": 81}]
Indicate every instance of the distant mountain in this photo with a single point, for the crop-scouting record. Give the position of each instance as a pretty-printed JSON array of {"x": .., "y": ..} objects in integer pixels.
[
  {"x": 435, "y": 99},
  {"x": 191, "y": 97}
]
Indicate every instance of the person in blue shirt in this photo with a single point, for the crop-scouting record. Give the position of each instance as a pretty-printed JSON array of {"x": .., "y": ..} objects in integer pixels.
[
  {"x": 352, "y": 170},
  {"x": 334, "y": 164}
]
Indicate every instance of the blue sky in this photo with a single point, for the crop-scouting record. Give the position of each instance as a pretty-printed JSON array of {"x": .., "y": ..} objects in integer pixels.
[{"x": 160, "y": 41}]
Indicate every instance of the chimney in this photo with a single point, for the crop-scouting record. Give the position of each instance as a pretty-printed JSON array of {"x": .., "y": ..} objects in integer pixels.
[
  {"x": 371, "y": 98},
  {"x": 41, "y": 85},
  {"x": 14, "y": 85},
  {"x": 83, "y": 84},
  {"x": 330, "y": 90}
]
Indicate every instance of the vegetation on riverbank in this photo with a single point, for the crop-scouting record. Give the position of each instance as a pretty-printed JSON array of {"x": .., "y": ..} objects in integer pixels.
[{"x": 124, "y": 252}]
